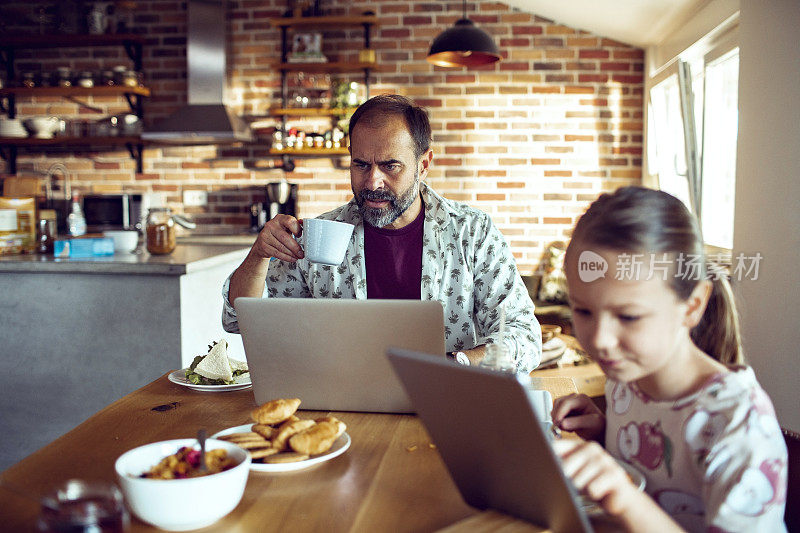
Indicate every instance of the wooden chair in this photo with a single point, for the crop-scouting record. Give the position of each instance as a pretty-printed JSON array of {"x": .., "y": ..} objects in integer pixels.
[
  {"x": 792, "y": 514},
  {"x": 547, "y": 313}
]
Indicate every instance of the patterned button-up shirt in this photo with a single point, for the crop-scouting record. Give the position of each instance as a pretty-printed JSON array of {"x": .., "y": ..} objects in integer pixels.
[{"x": 467, "y": 265}]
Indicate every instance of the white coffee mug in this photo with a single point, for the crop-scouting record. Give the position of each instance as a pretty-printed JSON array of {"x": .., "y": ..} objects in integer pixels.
[
  {"x": 542, "y": 404},
  {"x": 325, "y": 241}
]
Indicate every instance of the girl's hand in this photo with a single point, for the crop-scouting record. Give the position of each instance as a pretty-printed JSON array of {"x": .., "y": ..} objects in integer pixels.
[
  {"x": 579, "y": 414},
  {"x": 597, "y": 475}
]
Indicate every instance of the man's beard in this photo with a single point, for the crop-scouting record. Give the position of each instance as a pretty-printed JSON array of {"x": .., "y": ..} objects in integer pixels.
[{"x": 380, "y": 217}]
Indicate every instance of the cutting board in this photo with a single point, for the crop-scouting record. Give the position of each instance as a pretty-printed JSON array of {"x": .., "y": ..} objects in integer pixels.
[{"x": 23, "y": 186}]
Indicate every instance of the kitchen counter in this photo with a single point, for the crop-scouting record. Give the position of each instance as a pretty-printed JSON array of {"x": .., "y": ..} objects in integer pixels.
[
  {"x": 186, "y": 258},
  {"x": 77, "y": 334},
  {"x": 246, "y": 239}
]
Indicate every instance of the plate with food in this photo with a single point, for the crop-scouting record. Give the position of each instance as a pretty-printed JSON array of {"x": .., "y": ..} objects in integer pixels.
[
  {"x": 280, "y": 441},
  {"x": 214, "y": 371}
]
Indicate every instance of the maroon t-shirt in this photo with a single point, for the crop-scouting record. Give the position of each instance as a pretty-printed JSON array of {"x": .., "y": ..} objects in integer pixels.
[{"x": 393, "y": 258}]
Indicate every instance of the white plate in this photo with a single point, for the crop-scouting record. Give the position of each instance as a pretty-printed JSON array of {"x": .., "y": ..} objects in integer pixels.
[
  {"x": 556, "y": 343},
  {"x": 179, "y": 377},
  {"x": 339, "y": 447},
  {"x": 591, "y": 507}
]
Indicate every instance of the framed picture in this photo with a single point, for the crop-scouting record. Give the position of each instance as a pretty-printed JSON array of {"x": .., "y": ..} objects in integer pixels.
[{"x": 307, "y": 47}]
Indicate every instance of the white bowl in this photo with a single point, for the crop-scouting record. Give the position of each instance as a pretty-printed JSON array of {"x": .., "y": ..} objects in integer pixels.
[
  {"x": 42, "y": 127},
  {"x": 181, "y": 504},
  {"x": 124, "y": 240},
  {"x": 12, "y": 127}
]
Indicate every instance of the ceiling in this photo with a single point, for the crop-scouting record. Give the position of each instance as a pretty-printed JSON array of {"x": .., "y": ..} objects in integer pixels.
[{"x": 637, "y": 22}]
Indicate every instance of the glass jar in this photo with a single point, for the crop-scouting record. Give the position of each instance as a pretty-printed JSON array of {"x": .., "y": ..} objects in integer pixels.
[
  {"x": 28, "y": 79},
  {"x": 84, "y": 506},
  {"x": 107, "y": 78},
  {"x": 86, "y": 79},
  {"x": 129, "y": 78},
  {"x": 64, "y": 76},
  {"x": 160, "y": 231},
  {"x": 45, "y": 79}
]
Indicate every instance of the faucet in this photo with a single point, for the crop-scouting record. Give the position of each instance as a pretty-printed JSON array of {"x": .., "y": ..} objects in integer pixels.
[{"x": 52, "y": 171}]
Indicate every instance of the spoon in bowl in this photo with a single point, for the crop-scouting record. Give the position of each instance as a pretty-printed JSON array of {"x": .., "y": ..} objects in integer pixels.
[{"x": 201, "y": 438}]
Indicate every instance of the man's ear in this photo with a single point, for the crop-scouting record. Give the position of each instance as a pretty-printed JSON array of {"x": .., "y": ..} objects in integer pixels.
[
  {"x": 696, "y": 303},
  {"x": 425, "y": 163}
]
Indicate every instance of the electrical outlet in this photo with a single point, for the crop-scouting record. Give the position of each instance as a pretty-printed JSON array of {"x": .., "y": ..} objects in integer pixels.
[{"x": 195, "y": 198}]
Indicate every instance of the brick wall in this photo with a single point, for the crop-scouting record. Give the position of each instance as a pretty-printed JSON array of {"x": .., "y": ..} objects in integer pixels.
[{"x": 530, "y": 140}]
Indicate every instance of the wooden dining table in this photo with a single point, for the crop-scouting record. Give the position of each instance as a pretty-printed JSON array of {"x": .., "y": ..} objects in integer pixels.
[{"x": 390, "y": 479}]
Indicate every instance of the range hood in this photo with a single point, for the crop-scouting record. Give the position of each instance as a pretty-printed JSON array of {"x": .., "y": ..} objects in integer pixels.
[{"x": 204, "y": 119}]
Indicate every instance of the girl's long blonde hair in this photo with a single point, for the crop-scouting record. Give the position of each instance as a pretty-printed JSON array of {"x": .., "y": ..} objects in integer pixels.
[{"x": 640, "y": 220}]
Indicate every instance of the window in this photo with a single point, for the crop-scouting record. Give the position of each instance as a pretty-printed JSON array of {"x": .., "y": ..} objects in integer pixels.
[
  {"x": 719, "y": 149},
  {"x": 666, "y": 152},
  {"x": 692, "y": 132}
]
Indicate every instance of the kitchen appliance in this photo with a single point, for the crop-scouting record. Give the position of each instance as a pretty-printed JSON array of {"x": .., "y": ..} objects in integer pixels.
[
  {"x": 205, "y": 118},
  {"x": 112, "y": 212},
  {"x": 281, "y": 199}
]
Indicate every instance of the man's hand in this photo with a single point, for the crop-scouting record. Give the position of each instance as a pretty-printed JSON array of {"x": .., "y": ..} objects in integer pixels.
[
  {"x": 578, "y": 413},
  {"x": 276, "y": 239}
]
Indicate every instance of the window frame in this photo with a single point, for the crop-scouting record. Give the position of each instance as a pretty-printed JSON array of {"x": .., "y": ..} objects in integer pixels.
[{"x": 713, "y": 46}]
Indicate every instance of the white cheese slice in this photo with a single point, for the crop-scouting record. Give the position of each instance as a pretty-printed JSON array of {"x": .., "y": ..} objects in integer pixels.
[{"x": 215, "y": 365}]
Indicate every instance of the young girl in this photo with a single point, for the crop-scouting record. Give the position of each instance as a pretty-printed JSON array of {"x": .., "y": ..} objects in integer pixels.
[{"x": 681, "y": 408}]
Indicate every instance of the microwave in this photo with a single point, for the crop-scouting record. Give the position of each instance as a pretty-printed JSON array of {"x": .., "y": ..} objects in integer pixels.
[{"x": 105, "y": 212}]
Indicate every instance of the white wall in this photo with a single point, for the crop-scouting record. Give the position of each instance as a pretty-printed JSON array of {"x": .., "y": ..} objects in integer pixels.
[{"x": 768, "y": 196}]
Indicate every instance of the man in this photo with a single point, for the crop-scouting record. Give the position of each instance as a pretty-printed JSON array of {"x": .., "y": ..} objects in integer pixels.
[{"x": 408, "y": 242}]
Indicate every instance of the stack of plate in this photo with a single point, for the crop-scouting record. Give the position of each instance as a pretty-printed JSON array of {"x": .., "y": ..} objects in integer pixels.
[
  {"x": 12, "y": 127},
  {"x": 552, "y": 351}
]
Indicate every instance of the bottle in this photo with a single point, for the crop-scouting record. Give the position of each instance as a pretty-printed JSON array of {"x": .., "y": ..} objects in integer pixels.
[
  {"x": 497, "y": 355},
  {"x": 76, "y": 222},
  {"x": 47, "y": 226},
  {"x": 497, "y": 358}
]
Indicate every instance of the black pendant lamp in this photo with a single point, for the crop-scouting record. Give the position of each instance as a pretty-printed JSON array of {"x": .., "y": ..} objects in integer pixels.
[{"x": 463, "y": 45}]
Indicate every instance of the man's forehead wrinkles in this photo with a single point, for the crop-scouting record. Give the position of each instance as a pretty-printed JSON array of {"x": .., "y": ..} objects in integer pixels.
[{"x": 378, "y": 161}]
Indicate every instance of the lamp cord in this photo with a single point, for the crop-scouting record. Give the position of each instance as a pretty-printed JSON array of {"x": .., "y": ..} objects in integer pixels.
[{"x": 465, "y": 8}]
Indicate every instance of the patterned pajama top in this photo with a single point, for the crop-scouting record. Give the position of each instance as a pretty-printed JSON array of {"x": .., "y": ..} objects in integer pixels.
[{"x": 467, "y": 265}]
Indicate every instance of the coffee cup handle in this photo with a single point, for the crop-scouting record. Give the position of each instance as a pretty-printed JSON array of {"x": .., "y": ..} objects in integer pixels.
[{"x": 300, "y": 239}]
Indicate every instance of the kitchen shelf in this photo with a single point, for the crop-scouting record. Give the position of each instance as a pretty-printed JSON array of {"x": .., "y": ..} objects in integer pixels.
[
  {"x": 9, "y": 146},
  {"x": 71, "y": 40},
  {"x": 311, "y": 111},
  {"x": 310, "y": 151},
  {"x": 9, "y": 43},
  {"x": 298, "y": 22},
  {"x": 117, "y": 90},
  {"x": 70, "y": 141},
  {"x": 330, "y": 66},
  {"x": 367, "y": 20}
]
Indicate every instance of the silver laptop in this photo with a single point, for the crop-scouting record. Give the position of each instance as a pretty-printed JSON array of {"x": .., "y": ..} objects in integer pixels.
[
  {"x": 331, "y": 353},
  {"x": 490, "y": 439}
]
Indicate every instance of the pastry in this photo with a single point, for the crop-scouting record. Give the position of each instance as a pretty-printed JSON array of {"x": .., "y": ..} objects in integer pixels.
[
  {"x": 275, "y": 411},
  {"x": 288, "y": 429},
  {"x": 286, "y": 457},
  {"x": 316, "y": 439}
]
